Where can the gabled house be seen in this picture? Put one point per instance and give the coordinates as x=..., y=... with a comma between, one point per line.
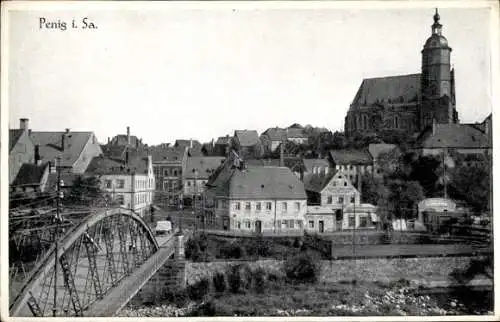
x=257, y=200
x=352, y=163
x=31, y=179
x=198, y=172
x=334, y=204
x=21, y=149
x=169, y=164
x=316, y=166
x=247, y=143
x=274, y=136
x=130, y=184
x=448, y=139
x=76, y=149
x=384, y=155
x=222, y=146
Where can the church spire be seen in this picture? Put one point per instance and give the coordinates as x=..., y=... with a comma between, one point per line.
x=436, y=26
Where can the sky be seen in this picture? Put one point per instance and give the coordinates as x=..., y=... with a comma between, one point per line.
x=178, y=73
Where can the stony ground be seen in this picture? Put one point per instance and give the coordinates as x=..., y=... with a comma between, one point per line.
x=314, y=300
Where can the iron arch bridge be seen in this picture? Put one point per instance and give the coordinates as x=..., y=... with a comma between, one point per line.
x=93, y=257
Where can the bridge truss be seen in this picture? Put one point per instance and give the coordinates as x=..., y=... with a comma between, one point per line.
x=93, y=257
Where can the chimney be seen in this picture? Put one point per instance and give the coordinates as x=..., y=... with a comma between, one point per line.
x=37, y=154
x=128, y=134
x=24, y=124
x=191, y=143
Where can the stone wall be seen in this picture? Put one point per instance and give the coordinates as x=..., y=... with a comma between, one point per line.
x=197, y=271
x=427, y=271
x=419, y=270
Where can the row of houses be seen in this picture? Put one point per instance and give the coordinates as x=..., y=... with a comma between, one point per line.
x=257, y=197
x=122, y=165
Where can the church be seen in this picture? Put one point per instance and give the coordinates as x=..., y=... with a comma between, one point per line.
x=408, y=103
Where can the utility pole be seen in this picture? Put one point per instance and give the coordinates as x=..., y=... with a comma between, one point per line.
x=56, y=234
x=354, y=228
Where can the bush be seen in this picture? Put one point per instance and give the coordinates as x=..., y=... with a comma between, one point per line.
x=302, y=267
x=263, y=248
x=198, y=290
x=259, y=280
x=219, y=281
x=233, y=251
x=298, y=242
x=177, y=297
x=240, y=278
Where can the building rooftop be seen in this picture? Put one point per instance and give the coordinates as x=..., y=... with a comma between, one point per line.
x=311, y=163
x=317, y=182
x=400, y=88
x=50, y=145
x=258, y=183
x=247, y=138
x=453, y=136
x=30, y=174
x=105, y=166
x=14, y=135
x=344, y=157
x=204, y=166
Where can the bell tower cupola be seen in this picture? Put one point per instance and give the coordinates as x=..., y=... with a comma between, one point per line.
x=437, y=92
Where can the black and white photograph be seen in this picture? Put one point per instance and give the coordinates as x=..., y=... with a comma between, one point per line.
x=282, y=160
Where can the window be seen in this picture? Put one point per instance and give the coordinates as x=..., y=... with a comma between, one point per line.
x=248, y=206
x=268, y=206
x=120, y=199
x=237, y=206
x=341, y=200
x=345, y=182
x=329, y=200
x=121, y=184
x=224, y=204
x=284, y=206
x=363, y=221
x=297, y=206
x=353, y=199
x=247, y=224
x=239, y=225
x=257, y=206
x=109, y=184
x=292, y=224
x=311, y=223
x=165, y=172
x=189, y=183
x=352, y=221
x=174, y=173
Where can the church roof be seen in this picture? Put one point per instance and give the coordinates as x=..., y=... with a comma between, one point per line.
x=453, y=136
x=400, y=88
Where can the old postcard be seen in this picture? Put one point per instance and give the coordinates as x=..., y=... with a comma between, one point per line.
x=241, y=160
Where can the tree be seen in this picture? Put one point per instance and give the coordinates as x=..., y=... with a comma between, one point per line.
x=404, y=197
x=427, y=170
x=472, y=185
x=86, y=191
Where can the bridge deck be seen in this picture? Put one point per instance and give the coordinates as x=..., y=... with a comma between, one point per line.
x=119, y=296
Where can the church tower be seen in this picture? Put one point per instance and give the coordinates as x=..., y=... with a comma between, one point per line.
x=437, y=80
